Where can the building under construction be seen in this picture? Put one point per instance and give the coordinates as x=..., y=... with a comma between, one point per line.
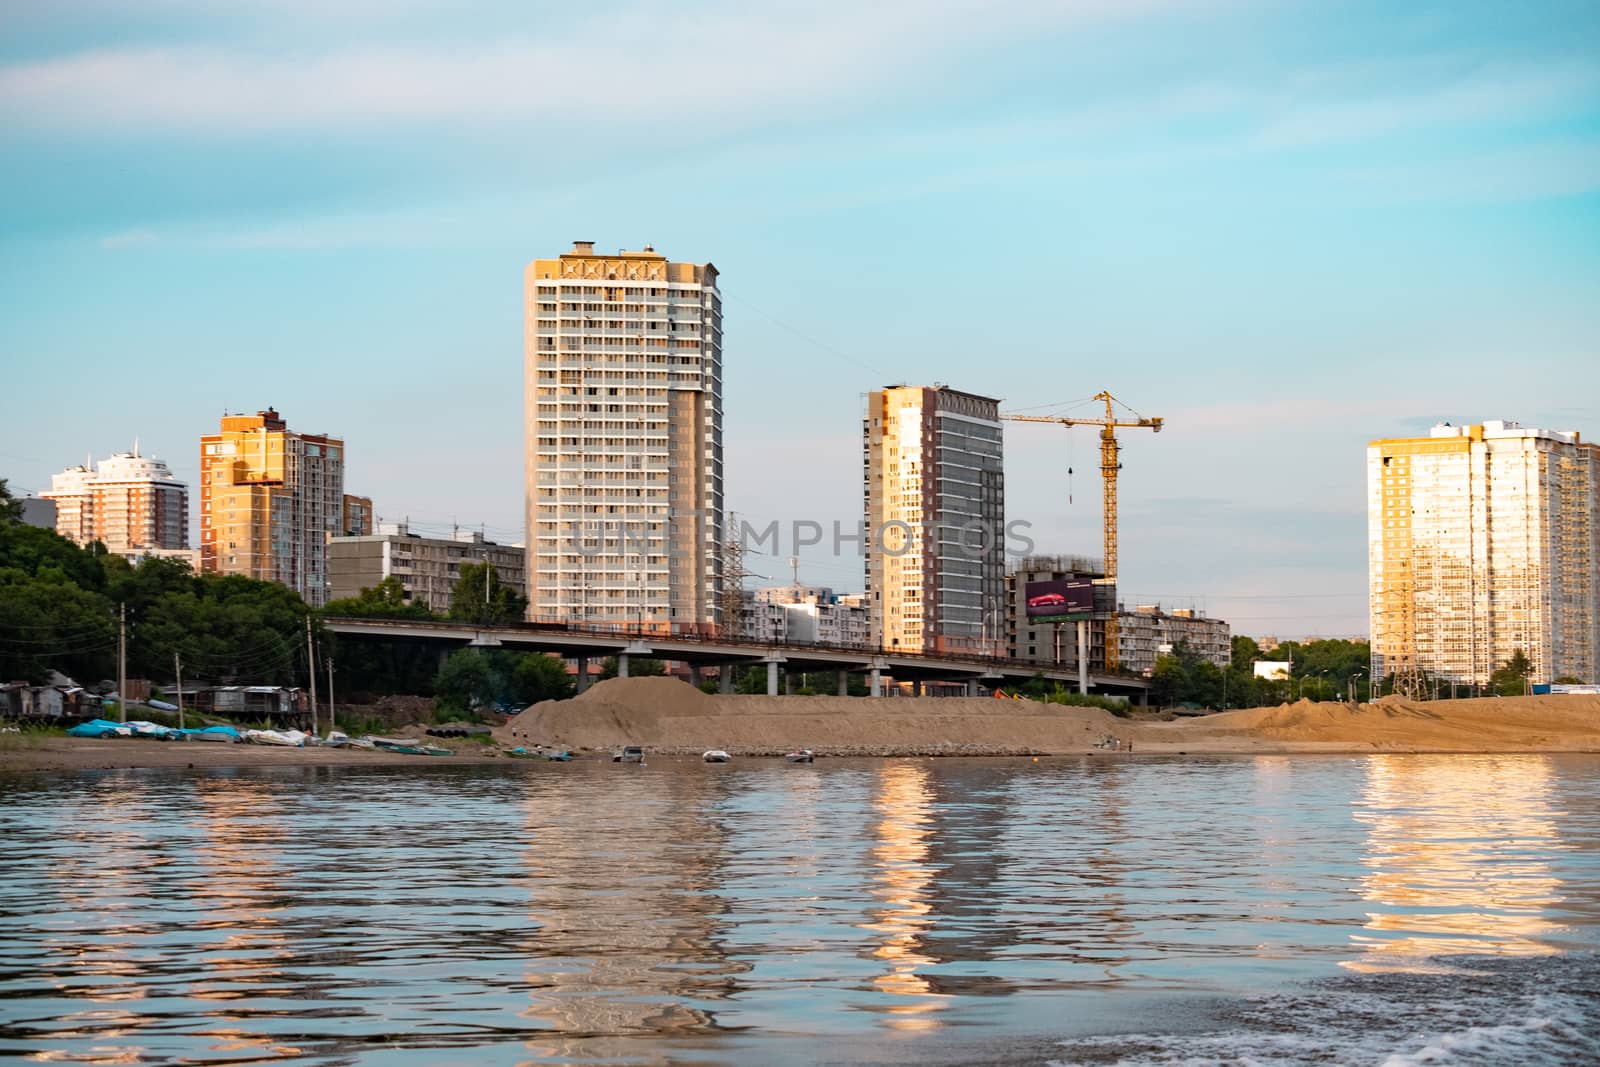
x=1484, y=541
x=1141, y=635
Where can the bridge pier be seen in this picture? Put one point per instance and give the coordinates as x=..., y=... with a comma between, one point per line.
x=972, y=687
x=788, y=684
x=622, y=664
x=583, y=673
x=875, y=679
x=725, y=679
x=916, y=687
x=844, y=683
x=773, y=662
x=1083, y=657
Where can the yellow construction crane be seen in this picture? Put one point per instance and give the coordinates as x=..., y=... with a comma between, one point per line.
x=1109, y=466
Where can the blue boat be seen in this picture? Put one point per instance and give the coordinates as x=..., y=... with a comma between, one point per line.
x=100, y=728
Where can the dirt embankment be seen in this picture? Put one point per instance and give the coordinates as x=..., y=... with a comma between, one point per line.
x=669, y=717
x=666, y=715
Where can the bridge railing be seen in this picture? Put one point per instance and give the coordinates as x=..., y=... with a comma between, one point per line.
x=701, y=633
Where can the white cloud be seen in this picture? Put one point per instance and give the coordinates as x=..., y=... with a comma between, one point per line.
x=675, y=66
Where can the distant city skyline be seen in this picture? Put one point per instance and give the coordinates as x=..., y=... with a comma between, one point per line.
x=1287, y=229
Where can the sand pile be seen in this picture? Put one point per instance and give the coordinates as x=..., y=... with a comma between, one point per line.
x=667, y=715
x=670, y=716
x=1505, y=724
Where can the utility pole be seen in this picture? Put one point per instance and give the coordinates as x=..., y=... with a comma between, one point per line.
x=177, y=668
x=311, y=669
x=122, y=662
x=330, y=695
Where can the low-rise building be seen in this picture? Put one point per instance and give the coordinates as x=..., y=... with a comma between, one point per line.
x=811, y=615
x=428, y=567
x=1147, y=632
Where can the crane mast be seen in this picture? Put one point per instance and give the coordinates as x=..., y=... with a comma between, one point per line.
x=1110, y=464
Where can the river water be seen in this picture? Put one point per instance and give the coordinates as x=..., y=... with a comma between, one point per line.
x=1267, y=910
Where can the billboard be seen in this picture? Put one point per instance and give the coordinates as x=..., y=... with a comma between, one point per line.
x=1060, y=598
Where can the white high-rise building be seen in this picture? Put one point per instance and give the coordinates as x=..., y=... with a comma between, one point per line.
x=130, y=503
x=623, y=438
x=1484, y=541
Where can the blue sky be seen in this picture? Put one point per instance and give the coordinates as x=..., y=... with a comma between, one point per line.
x=1287, y=228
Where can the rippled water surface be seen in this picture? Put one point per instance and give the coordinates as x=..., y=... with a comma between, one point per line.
x=1383, y=909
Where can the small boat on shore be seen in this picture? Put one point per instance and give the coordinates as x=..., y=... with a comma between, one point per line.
x=283, y=738
x=800, y=755
x=539, y=752
x=628, y=754
x=716, y=755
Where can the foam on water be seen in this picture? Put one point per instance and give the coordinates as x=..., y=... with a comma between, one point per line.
x=1515, y=1012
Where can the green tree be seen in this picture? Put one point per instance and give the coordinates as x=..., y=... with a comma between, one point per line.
x=638, y=667
x=1512, y=676
x=49, y=623
x=465, y=680
x=386, y=600
x=10, y=506
x=1245, y=652
x=479, y=598
x=1169, y=682
x=536, y=676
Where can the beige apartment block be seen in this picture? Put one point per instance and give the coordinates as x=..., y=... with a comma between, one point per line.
x=270, y=499
x=935, y=511
x=623, y=439
x=130, y=503
x=428, y=568
x=1482, y=541
x=1147, y=633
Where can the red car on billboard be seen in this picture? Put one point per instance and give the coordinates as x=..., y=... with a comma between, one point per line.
x=1057, y=598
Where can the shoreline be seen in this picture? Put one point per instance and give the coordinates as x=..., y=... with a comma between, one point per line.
x=71, y=755
x=671, y=720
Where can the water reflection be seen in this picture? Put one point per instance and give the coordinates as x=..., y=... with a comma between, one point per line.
x=1458, y=859
x=99, y=943
x=238, y=890
x=902, y=881
x=756, y=913
x=623, y=898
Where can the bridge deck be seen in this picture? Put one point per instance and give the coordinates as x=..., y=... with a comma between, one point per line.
x=702, y=650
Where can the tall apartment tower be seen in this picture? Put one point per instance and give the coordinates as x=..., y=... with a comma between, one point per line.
x=129, y=503
x=623, y=439
x=1482, y=541
x=935, y=514
x=270, y=499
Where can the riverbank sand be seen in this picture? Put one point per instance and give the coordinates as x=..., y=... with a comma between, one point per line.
x=669, y=717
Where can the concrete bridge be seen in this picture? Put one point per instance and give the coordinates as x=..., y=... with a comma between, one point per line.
x=589, y=642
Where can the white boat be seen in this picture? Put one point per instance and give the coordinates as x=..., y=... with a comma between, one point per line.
x=800, y=755
x=716, y=755
x=628, y=754
x=284, y=738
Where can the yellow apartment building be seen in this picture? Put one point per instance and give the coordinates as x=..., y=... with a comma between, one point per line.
x=623, y=439
x=270, y=500
x=1483, y=540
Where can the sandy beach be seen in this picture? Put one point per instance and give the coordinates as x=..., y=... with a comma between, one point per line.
x=668, y=717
